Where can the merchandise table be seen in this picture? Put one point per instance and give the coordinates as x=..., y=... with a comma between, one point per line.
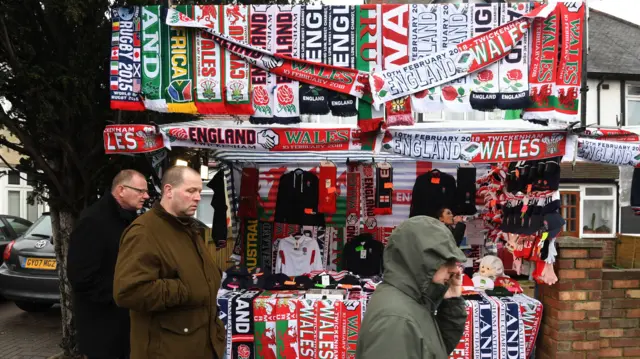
x=288, y=324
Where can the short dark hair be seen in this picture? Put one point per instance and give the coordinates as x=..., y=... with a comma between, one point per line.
x=124, y=177
x=174, y=176
x=441, y=211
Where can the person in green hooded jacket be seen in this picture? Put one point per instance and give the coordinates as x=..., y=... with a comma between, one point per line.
x=417, y=311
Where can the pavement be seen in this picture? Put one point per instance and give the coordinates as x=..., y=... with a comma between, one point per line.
x=29, y=335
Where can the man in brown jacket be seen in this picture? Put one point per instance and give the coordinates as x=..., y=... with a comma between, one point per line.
x=166, y=278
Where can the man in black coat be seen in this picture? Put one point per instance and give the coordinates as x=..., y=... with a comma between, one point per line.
x=102, y=327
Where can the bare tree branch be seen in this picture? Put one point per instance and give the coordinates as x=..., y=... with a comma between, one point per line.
x=6, y=43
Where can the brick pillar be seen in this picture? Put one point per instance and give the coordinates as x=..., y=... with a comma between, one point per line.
x=620, y=316
x=571, y=321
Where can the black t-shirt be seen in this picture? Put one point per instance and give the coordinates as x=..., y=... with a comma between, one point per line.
x=363, y=256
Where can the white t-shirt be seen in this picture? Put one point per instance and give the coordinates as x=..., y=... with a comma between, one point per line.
x=297, y=257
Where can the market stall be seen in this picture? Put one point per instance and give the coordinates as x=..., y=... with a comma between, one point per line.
x=309, y=207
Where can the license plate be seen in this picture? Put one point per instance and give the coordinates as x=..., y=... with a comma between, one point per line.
x=41, y=263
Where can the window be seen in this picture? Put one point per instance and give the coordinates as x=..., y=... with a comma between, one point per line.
x=590, y=210
x=4, y=232
x=205, y=211
x=14, y=177
x=14, y=203
x=570, y=211
x=19, y=225
x=633, y=104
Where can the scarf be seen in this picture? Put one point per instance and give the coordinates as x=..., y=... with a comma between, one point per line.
x=327, y=188
x=208, y=63
x=180, y=68
x=465, y=346
x=486, y=331
x=426, y=31
x=249, y=193
x=384, y=189
x=368, y=59
x=353, y=201
x=570, y=68
x=453, y=63
x=514, y=69
x=284, y=41
x=237, y=74
x=531, y=317
x=368, y=200
x=124, y=68
x=395, y=36
x=340, y=51
x=542, y=70
x=251, y=247
x=242, y=330
x=260, y=16
x=484, y=91
x=456, y=28
x=313, y=99
x=265, y=233
x=154, y=33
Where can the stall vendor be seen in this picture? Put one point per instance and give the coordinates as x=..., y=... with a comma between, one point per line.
x=455, y=224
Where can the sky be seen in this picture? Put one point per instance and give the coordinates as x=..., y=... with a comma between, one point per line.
x=624, y=9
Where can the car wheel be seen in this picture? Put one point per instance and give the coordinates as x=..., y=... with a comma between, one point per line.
x=32, y=307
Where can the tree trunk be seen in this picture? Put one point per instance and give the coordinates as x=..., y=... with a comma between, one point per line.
x=62, y=224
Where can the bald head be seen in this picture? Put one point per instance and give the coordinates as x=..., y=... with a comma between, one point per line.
x=181, y=187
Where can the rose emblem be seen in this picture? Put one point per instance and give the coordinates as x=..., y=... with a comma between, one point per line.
x=485, y=75
x=244, y=352
x=483, y=79
x=449, y=93
x=260, y=96
x=378, y=84
x=422, y=94
x=514, y=75
x=178, y=133
x=285, y=99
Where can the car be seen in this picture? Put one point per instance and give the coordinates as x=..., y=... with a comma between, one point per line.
x=29, y=275
x=11, y=227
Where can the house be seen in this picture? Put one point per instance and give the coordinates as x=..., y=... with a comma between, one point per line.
x=15, y=188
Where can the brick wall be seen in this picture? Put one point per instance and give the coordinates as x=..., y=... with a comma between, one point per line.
x=620, y=317
x=591, y=312
x=609, y=249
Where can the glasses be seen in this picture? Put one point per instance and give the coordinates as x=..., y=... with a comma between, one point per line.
x=139, y=190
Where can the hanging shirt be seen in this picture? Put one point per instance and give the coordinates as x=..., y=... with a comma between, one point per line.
x=363, y=256
x=298, y=256
x=297, y=201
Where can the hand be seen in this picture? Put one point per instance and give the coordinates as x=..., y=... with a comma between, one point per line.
x=455, y=285
x=457, y=219
x=268, y=139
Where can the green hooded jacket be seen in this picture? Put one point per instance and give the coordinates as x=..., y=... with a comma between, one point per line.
x=408, y=316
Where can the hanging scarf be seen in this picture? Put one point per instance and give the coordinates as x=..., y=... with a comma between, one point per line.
x=340, y=51
x=426, y=37
x=249, y=193
x=262, y=82
x=384, y=189
x=514, y=68
x=456, y=28
x=484, y=93
x=237, y=75
x=154, y=33
x=395, y=36
x=208, y=62
x=354, y=187
x=368, y=199
x=313, y=99
x=327, y=188
x=570, y=68
x=125, y=78
x=544, y=62
x=369, y=59
x=452, y=63
x=286, y=107
x=179, y=69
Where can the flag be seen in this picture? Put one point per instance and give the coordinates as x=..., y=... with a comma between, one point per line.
x=115, y=38
x=136, y=54
x=115, y=26
x=114, y=68
x=114, y=83
x=114, y=53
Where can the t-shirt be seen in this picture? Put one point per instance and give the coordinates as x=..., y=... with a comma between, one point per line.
x=298, y=256
x=363, y=256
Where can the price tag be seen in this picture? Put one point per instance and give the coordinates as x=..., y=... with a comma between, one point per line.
x=544, y=236
x=525, y=208
x=325, y=280
x=308, y=211
x=296, y=245
x=529, y=188
x=327, y=183
x=331, y=190
x=359, y=248
x=363, y=254
x=435, y=180
x=388, y=185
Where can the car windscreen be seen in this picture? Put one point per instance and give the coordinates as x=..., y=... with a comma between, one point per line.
x=42, y=228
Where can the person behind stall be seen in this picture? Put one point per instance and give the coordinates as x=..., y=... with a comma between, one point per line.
x=454, y=223
x=417, y=311
x=102, y=327
x=167, y=279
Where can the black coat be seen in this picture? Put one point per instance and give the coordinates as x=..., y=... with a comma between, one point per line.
x=433, y=191
x=102, y=327
x=297, y=201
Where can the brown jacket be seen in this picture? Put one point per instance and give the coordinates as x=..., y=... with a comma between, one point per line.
x=165, y=276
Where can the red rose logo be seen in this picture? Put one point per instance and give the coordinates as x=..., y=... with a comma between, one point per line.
x=485, y=75
x=449, y=93
x=178, y=133
x=387, y=137
x=244, y=352
x=260, y=96
x=514, y=75
x=421, y=94
x=285, y=96
x=378, y=83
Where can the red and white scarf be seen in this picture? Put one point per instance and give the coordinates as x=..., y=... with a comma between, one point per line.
x=237, y=74
x=514, y=68
x=484, y=89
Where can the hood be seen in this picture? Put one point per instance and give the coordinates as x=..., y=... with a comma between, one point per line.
x=416, y=249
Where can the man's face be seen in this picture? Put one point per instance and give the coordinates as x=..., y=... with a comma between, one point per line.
x=184, y=198
x=445, y=273
x=133, y=194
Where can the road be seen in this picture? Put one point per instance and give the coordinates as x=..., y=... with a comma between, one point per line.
x=28, y=335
